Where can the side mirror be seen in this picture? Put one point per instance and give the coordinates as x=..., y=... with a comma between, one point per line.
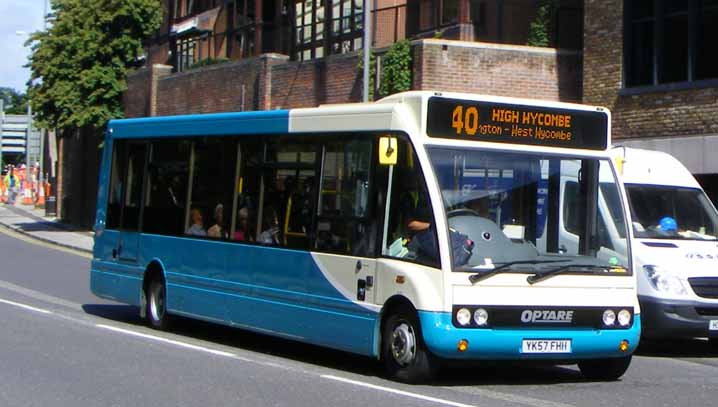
x=388, y=150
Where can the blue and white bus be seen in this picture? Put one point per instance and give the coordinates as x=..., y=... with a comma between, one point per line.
x=418, y=229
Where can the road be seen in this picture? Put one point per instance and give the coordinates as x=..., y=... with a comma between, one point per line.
x=61, y=346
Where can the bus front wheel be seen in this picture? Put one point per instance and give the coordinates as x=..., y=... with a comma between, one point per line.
x=405, y=356
x=604, y=369
x=156, y=305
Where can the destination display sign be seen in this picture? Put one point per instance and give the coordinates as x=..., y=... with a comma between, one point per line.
x=516, y=124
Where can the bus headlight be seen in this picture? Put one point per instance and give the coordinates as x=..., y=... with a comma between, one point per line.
x=481, y=317
x=463, y=316
x=624, y=317
x=663, y=281
x=609, y=317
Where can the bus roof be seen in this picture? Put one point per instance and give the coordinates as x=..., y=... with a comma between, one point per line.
x=407, y=111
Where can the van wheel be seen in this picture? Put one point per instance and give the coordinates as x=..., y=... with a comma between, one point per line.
x=156, y=305
x=604, y=369
x=406, y=358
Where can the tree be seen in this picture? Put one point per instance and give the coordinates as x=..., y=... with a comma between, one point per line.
x=15, y=102
x=541, y=28
x=79, y=65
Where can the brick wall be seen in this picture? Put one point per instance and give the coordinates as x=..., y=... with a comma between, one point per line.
x=136, y=99
x=503, y=70
x=217, y=88
x=334, y=79
x=651, y=113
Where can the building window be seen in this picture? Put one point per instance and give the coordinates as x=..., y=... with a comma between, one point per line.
x=668, y=41
x=186, y=53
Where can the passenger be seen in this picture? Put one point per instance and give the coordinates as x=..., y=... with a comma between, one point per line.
x=271, y=233
x=243, y=234
x=197, y=227
x=217, y=230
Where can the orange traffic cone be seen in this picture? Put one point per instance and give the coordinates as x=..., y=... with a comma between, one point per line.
x=40, y=196
x=27, y=197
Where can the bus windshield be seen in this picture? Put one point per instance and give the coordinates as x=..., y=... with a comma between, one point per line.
x=532, y=210
x=668, y=212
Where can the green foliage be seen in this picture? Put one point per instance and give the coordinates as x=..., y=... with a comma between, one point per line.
x=208, y=62
x=79, y=65
x=372, y=71
x=396, y=69
x=15, y=102
x=541, y=28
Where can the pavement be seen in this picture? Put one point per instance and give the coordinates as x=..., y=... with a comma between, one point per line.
x=31, y=221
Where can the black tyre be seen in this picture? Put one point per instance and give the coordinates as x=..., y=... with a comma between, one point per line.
x=604, y=369
x=156, y=305
x=405, y=356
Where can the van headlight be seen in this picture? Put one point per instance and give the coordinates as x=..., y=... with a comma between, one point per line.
x=663, y=281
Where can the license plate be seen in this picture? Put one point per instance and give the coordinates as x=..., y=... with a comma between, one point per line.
x=713, y=325
x=546, y=346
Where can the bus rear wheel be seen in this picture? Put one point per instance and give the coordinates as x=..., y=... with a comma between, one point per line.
x=156, y=305
x=405, y=356
x=604, y=369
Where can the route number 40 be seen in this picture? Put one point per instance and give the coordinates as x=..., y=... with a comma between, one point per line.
x=467, y=121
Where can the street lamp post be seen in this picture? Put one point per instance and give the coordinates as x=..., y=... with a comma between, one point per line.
x=367, y=48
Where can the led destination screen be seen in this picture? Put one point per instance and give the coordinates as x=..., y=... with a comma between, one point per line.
x=516, y=124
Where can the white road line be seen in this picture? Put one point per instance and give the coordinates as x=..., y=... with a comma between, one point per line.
x=397, y=391
x=27, y=307
x=512, y=398
x=170, y=341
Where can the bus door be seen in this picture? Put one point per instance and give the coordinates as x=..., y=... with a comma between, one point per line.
x=347, y=225
x=133, y=180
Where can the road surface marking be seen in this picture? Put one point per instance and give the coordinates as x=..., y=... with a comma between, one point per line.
x=170, y=341
x=27, y=307
x=513, y=398
x=37, y=295
x=397, y=391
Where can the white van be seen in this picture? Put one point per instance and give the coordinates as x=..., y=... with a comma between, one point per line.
x=674, y=247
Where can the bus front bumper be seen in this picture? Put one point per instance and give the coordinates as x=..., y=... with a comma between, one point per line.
x=442, y=339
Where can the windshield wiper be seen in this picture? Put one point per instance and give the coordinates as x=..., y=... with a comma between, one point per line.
x=475, y=278
x=540, y=276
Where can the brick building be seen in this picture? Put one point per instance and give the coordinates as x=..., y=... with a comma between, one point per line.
x=234, y=55
x=654, y=64
x=650, y=61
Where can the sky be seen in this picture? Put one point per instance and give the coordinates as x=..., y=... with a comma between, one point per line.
x=17, y=15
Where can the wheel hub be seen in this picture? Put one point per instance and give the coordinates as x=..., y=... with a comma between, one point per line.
x=157, y=303
x=403, y=344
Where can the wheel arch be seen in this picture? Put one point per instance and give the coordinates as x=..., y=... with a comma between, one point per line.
x=155, y=269
x=390, y=306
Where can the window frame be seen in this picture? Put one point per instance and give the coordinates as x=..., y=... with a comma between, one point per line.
x=658, y=17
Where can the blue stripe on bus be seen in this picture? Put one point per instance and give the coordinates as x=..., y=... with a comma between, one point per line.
x=260, y=122
x=441, y=337
x=243, y=285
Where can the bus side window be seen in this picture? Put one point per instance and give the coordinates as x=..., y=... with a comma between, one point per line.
x=287, y=194
x=410, y=229
x=168, y=172
x=213, y=170
x=114, y=200
x=345, y=224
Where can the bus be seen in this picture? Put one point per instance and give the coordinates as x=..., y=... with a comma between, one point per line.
x=675, y=231
x=420, y=229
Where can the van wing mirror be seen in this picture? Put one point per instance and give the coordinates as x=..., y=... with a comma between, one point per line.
x=388, y=150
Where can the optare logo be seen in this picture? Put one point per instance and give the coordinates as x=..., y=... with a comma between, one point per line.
x=546, y=316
